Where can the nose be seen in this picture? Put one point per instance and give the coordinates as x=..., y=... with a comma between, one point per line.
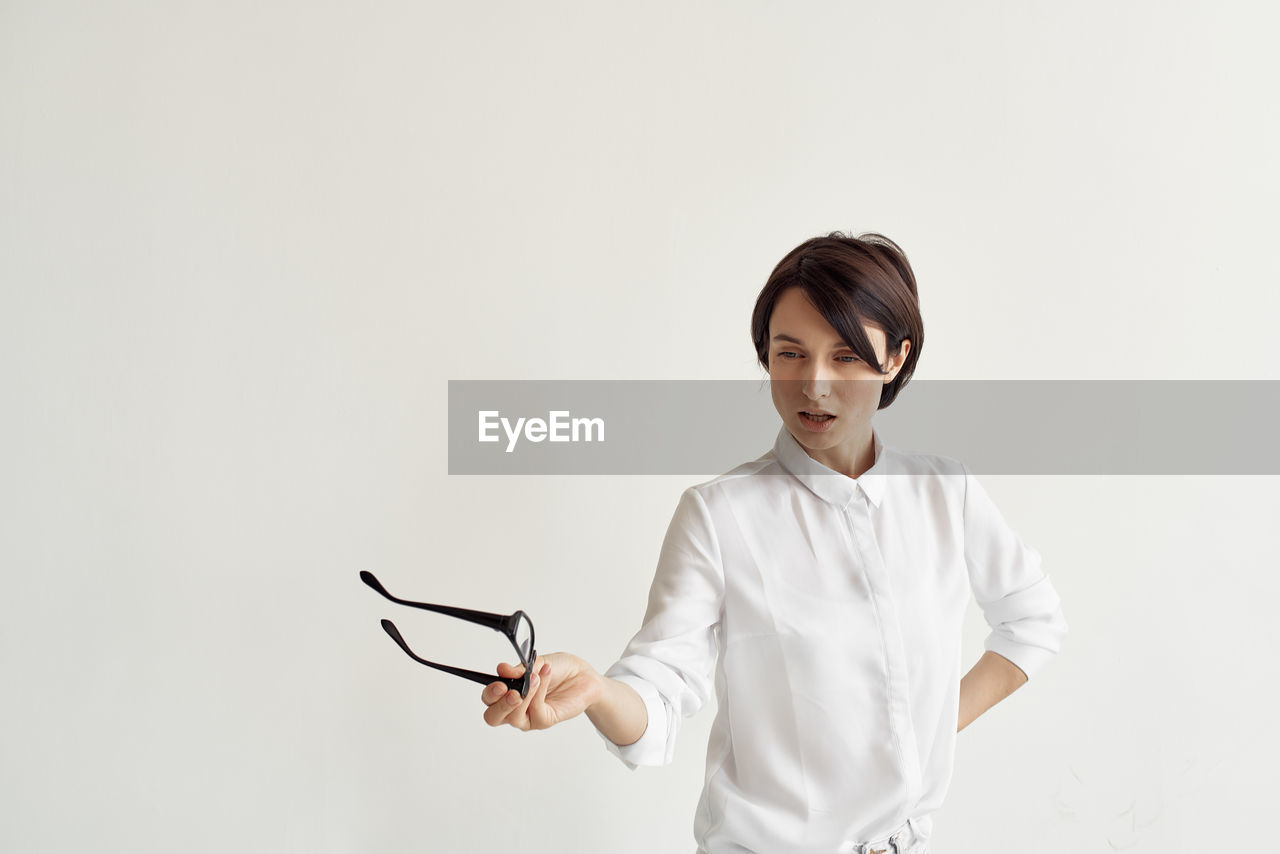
x=816, y=381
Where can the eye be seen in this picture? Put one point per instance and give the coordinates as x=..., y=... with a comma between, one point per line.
x=849, y=360
x=788, y=353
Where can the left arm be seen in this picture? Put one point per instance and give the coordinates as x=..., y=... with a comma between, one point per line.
x=1018, y=602
x=992, y=679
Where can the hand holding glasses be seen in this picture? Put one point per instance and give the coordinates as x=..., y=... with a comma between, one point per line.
x=517, y=627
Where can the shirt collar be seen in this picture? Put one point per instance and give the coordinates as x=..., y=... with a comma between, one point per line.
x=829, y=484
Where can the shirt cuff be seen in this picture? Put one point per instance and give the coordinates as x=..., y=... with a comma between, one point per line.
x=651, y=748
x=1027, y=627
x=1028, y=659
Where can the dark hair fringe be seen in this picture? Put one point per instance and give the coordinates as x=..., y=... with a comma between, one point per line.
x=850, y=281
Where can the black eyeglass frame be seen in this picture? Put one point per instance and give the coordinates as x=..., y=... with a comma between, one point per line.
x=507, y=624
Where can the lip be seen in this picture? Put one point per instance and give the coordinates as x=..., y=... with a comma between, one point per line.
x=815, y=426
x=815, y=412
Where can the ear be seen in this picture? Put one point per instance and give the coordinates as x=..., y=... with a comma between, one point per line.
x=897, y=360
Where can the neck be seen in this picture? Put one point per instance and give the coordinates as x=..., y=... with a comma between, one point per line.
x=851, y=458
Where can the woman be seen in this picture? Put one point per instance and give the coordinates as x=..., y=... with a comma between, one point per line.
x=820, y=590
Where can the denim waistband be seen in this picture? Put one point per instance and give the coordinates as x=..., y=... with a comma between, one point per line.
x=912, y=832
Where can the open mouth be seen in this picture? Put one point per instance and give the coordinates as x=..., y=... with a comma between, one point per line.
x=816, y=420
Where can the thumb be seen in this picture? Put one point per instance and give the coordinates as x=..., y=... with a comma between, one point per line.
x=510, y=671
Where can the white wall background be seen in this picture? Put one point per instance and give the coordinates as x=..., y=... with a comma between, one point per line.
x=243, y=247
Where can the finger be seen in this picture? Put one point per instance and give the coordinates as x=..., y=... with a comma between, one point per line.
x=508, y=708
x=498, y=713
x=540, y=716
x=493, y=692
x=519, y=716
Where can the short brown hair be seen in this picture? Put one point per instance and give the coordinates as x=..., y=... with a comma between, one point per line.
x=850, y=281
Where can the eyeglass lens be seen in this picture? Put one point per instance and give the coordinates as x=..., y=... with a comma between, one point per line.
x=524, y=639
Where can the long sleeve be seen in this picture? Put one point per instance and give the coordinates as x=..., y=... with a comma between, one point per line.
x=824, y=612
x=1017, y=600
x=671, y=660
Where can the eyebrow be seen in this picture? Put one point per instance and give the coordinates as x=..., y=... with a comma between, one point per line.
x=839, y=345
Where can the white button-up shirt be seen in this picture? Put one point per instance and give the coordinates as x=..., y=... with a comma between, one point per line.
x=828, y=610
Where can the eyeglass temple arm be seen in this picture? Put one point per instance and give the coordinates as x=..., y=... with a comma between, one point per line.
x=475, y=676
x=494, y=621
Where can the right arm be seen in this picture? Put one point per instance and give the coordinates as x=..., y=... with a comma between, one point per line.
x=564, y=687
x=618, y=713
x=665, y=672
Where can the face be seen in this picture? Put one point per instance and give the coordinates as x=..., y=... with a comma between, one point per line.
x=812, y=370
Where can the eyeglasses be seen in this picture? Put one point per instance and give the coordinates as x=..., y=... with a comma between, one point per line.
x=517, y=627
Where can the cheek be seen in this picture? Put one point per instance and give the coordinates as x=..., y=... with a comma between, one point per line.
x=863, y=393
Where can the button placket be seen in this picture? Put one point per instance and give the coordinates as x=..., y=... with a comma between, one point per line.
x=857, y=512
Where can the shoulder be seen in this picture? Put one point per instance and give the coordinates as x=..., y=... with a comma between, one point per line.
x=740, y=487
x=739, y=481
x=933, y=484
x=910, y=462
